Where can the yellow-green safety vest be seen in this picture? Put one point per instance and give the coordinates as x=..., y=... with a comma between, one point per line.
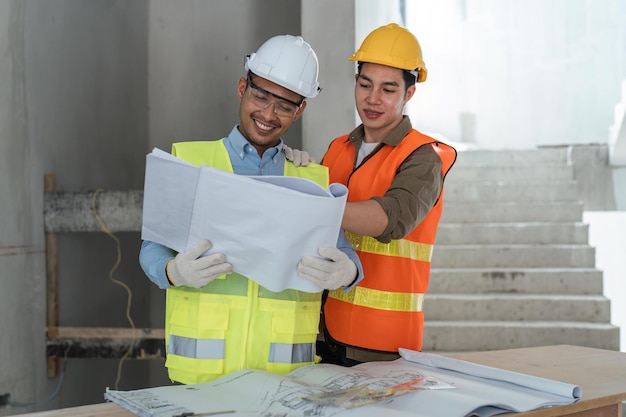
x=233, y=323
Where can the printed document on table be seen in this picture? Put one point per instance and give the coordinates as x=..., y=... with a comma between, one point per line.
x=263, y=224
x=260, y=393
x=449, y=388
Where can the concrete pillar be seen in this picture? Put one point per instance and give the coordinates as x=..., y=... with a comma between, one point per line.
x=332, y=112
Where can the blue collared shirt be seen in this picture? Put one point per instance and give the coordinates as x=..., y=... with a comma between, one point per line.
x=245, y=160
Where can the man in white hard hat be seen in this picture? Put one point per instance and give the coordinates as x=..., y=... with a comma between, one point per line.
x=218, y=321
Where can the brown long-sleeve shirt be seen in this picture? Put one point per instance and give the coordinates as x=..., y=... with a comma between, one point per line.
x=415, y=188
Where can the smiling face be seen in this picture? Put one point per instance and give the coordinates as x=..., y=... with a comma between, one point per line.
x=380, y=96
x=262, y=127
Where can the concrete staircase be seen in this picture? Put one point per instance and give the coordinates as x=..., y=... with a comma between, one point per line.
x=512, y=266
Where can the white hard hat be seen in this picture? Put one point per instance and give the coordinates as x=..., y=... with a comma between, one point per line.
x=289, y=61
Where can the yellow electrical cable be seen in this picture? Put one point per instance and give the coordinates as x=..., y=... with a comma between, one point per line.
x=106, y=230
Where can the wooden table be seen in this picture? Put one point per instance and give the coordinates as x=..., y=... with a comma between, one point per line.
x=600, y=373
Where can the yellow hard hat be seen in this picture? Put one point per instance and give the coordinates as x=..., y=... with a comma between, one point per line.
x=393, y=46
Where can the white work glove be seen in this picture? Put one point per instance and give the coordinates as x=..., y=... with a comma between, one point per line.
x=298, y=157
x=335, y=269
x=189, y=269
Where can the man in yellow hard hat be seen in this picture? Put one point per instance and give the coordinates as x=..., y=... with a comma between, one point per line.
x=395, y=178
x=218, y=321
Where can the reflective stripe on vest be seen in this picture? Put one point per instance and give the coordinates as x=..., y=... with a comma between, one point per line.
x=402, y=248
x=296, y=353
x=196, y=348
x=382, y=300
x=215, y=349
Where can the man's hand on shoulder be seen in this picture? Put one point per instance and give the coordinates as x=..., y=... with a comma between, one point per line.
x=298, y=157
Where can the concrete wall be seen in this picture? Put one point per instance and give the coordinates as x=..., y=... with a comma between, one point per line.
x=73, y=104
x=329, y=26
x=607, y=234
x=21, y=242
x=515, y=74
x=196, y=54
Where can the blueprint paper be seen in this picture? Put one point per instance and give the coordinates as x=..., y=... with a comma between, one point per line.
x=259, y=393
x=263, y=224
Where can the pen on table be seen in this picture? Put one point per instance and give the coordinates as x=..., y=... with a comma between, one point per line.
x=210, y=413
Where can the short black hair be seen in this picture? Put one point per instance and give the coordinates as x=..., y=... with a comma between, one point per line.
x=409, y=79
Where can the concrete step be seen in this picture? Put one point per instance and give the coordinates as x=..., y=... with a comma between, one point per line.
x=511, y=211
x=513, y=307
x=460, y=173
x=512, y=266
x=511, y=256
x=511, y=191
x=511, y=233
x=515, y=157
x=457, y=336
x=572, y=281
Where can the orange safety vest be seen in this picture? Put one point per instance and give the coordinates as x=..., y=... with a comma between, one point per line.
x=384, y=311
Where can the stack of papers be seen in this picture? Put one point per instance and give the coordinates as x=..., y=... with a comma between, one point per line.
x=417, y=385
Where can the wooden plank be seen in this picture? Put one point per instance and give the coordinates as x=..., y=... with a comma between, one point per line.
x=614, y=410
x=104, y=332
x=105, y=342
x=96, y=410
x=52, y=280
x=66, y=212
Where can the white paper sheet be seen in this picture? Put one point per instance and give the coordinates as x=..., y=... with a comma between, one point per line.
x=263, y=224
x=488, y=392
x=537, y=383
